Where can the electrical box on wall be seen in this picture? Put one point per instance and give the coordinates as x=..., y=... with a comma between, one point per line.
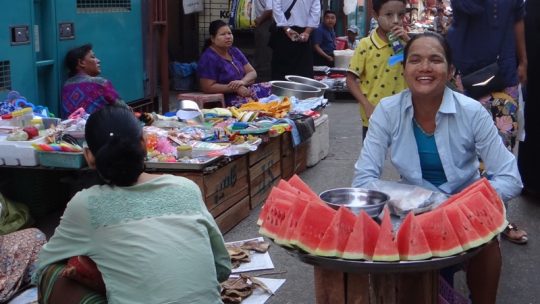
x=36, y=36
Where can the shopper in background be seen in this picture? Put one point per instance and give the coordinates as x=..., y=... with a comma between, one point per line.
x=151, y=236
x=434, y=136
x=85, y=88
x=224, y=69
x=352, y=33
x=324, y=40
x=484, y=32
x=263, y=53
x=290, y=40
x=370, y=76
x=529, y=166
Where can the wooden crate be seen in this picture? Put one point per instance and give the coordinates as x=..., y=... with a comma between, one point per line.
x=293, y=160
x=264, y=170
x=225, y=191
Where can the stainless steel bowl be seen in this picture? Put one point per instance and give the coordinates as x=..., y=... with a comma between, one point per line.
x=308, y=81
x=356, y=199
x=299, y=90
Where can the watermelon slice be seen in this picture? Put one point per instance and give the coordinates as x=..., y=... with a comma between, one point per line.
x=465, y=231
x=285, y=186
x=311, y=226
x=480, y=206
x=335, y=238
x=481, y=185
x=361, y=242
x=411, y=240
x=291, y=222
x=275, y=217
x=440, y=234
x=299, y=184
x=275, y=192
x=386, y=246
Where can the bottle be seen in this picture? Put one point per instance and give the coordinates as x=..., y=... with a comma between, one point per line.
x=395, y=42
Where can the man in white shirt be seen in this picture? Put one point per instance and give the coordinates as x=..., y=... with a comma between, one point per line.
x=290, y=40
x=263, y=53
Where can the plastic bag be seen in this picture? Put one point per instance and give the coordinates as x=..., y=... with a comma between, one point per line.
x=405, y=198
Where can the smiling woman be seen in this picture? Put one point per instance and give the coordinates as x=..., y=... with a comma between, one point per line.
x=440, y=134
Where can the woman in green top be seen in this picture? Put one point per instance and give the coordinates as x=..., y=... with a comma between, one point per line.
x=151, y=236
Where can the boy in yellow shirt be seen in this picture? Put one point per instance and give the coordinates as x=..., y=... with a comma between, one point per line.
x=371, y=76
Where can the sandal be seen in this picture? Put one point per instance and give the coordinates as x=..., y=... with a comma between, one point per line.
x=515, y=235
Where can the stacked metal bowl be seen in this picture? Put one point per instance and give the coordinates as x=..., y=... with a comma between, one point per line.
x=299, y=87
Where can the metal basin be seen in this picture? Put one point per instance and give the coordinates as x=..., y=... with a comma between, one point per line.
x=308, y=81
x=298, y=90
x=356, y=199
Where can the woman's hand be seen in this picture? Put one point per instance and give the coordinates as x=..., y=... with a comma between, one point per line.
x=243, y=91
x=236, y=84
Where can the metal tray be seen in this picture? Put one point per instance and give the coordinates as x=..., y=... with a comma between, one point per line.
x=360, y=266
x=197, y=163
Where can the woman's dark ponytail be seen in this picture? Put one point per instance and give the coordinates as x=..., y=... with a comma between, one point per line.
x=114, y=137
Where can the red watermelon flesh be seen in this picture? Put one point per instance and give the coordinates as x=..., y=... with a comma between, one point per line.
x=285, y=186
x=440, y=234
x=481, y=185
x=275, y=217
x=481, y=228
x=291, y=222
x=361, y=242
x=299, y=184
x=275, y=192
x=311, y=226
x=480, y=206
x=335, y=238
x=411, y=240
x=465, y=231
x=386, y=246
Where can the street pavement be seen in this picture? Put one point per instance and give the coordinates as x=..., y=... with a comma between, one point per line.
x=520, y=274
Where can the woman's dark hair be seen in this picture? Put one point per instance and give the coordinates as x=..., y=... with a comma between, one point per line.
x=114, y=136
x=377, y=4
x=74, y=55
x=213, y=30
x=442, y=41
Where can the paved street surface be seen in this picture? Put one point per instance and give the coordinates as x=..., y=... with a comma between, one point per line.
x=521, y=268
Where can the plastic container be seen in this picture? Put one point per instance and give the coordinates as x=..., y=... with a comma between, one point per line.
x=184, y=151
x=61, y=159
x=318, y=145
x=342, y=58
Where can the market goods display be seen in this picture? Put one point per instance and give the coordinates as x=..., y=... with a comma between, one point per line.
x=294, y=216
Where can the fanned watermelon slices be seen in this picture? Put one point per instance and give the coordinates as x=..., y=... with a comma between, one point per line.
x=311, y=226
